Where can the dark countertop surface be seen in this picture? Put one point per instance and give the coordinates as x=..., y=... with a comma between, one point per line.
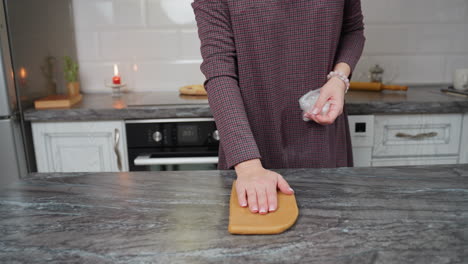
x=421, y=99
x=347, y=215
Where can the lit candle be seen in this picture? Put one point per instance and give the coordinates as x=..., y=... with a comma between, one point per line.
x=23, y=73
x=22, y=76
x=116, y=78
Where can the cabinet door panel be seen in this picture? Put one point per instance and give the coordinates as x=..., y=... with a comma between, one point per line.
x=75, y=152
x=417, y=135
x=79, y=146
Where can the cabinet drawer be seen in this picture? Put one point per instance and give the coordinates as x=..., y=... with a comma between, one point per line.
x=381, y=162
x=417, y=135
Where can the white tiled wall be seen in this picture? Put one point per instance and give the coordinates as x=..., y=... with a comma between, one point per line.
x=156, y=46
x=416, y=41
x=154, y=42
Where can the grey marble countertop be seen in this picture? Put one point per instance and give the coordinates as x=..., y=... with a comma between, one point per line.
x=423, y=99
x=347, y=215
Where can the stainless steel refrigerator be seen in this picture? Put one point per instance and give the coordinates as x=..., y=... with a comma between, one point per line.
x=35, y=35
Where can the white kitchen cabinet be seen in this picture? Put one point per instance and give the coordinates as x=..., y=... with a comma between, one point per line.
x=409, y=139
x=361, y=129
x=80, y=146
x=464, y=140
x=417, y=139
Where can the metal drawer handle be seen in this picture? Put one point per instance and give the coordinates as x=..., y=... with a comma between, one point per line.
x=116, y=148
x=417, y=136
x=146, y=160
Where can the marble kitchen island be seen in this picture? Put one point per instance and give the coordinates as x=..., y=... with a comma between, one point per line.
x=347, y=215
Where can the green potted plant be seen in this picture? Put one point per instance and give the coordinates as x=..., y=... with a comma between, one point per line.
x=71, y=76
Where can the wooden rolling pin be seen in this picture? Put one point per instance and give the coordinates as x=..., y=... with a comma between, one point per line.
x=375, y=86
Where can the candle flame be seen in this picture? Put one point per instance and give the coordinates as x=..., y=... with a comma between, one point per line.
x=135, y=67
x=23, y=73
x=116, y=70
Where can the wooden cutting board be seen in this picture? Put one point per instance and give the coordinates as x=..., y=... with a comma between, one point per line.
x=195, y=89
x=244, y=222
x=375, y=86
x=57, y=101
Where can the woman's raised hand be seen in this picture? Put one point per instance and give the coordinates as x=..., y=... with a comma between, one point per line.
x=333, y=92
x=256, y=187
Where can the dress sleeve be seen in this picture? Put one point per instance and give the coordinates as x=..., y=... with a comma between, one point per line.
x=220, y=69
x=352, y=34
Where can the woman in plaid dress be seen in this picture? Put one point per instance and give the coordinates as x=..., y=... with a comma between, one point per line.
x=259, y=58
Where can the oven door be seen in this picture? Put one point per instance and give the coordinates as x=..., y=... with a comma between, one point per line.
x=172, y=161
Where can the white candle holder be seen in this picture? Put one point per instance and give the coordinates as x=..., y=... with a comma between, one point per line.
x=116, y=88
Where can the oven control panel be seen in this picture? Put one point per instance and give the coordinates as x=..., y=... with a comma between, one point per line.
x=172, y=133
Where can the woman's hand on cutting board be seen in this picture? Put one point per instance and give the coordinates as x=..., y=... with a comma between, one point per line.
x=333, y=92
x=256, y=187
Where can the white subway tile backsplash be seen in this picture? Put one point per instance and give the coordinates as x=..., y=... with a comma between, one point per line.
x=87, y=45
x=453, y=63
x=361, y=72
x=387, y=39
x=443, y=38
x=404, y=69
x=90, y=14
x=170, y=13
x=416, y=38
x=415, y=11
x=139, y=44
x=157, y=46
x=155, y=16
x=190, y=44
x=129, y=12
x=167, y=76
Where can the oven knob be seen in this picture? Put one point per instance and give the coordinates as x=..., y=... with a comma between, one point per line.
x=157, y=136
x=216, y=135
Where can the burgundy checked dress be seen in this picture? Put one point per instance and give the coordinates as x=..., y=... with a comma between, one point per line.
x=259, y=58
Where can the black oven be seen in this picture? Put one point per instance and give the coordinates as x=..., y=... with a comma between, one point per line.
x=172, y=144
